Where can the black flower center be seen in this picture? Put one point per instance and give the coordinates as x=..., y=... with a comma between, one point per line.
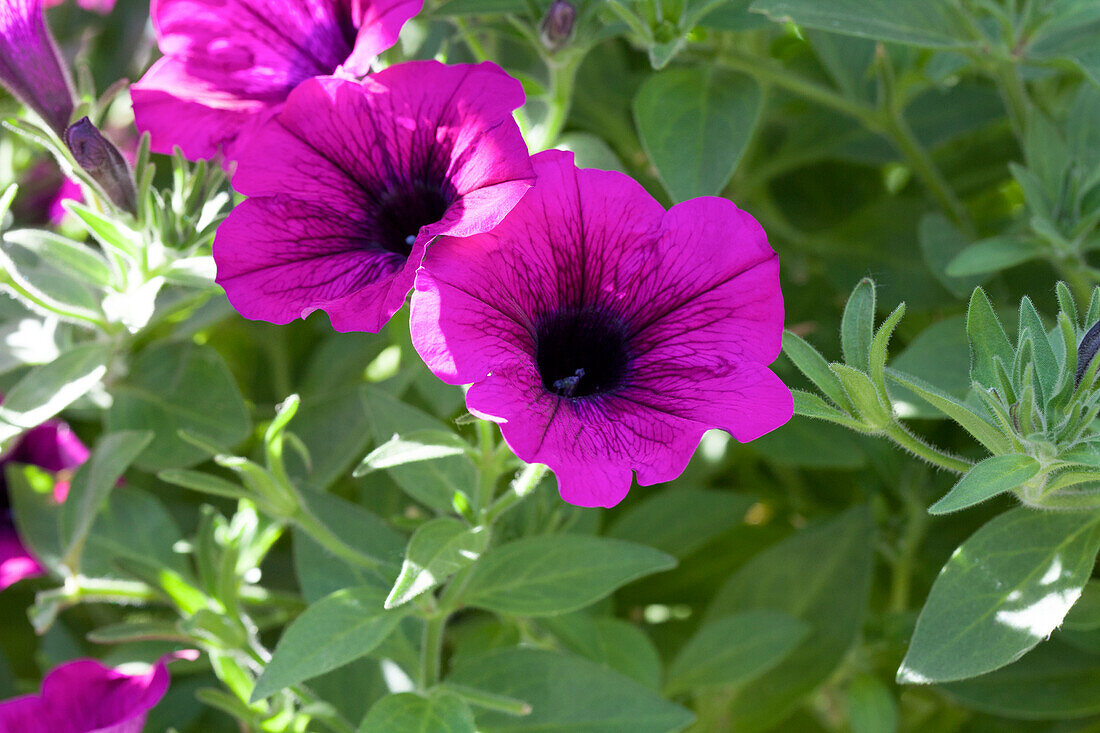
x=581, y=352
x=403, y=210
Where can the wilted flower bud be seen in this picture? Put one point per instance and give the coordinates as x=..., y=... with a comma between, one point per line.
x=30, y=66
x=558, y=24
x=1086, y=352
x=101, y=159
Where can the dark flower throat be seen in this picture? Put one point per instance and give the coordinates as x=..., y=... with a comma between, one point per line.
x=581, y=352
x=402, y=211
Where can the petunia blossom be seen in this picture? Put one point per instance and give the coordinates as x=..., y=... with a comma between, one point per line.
x=229, y=65
x=84, y=696
x=51, y=446
x=605, y=334
x=352, y=180
x=30, y=65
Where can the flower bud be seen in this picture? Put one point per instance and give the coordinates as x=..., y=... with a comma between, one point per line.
x=30, y=66
x=1086, y=352
x=557, y=26
x=101, y=159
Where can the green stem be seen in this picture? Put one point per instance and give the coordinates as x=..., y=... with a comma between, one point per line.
x=518, y=490
x=563, y=75
x=325, y=537
x=431, y=650
x=933, y=455
x=916, y=526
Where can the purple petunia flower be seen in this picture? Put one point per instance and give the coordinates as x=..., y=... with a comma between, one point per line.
x=604, y=333
x=51, y=446
x=30, y=66
x=84, y=696
x=351, y=181
x=229, y=65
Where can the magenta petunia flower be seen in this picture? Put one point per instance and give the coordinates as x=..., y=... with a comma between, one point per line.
x=351, y=181
x=604, y=333
x=53, y=447
x=84, y=696
x=229, y=65
x=30, y=66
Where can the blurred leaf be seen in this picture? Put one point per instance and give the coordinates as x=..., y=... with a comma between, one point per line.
x=110, y=457
x=48, y=389
x=36, y=512
x=335, y=429
x=695, y=124
x=590, y=151
x=610, y=642
x=432, y=482
x=481, y=7
x=871, y=706
x=133, y=524
x=700, y=516
x=408, y=712
x=930, y=23
x=734, y=650
x=438, y=549
x=64, y=254
x=1001, y=593
x=995, y=254
x=939, y=355
x=1085, y=614
x=940, y=243
x=412, y=447
x=813, y=444
x=335, y=630
x=821, y=575
x=179, y=386
x=566, y=695
x=995, y=475
x=353, y=525
x=1056, y=681
x=551, y=574
x=812, y=364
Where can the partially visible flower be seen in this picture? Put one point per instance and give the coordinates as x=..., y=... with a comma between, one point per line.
x=52, y=446
x=605, y=334
x=352, y=180
x=103, y=7
x=557, y=25
x=84, y=696
x=30, y=66
x=229, y=65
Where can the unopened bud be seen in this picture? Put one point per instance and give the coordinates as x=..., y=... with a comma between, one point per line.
x=30, y=66
x=558, y=24
x=101, y=159
x=1086, y=352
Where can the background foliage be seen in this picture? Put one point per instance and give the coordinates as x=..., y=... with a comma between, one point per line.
x=316, y=513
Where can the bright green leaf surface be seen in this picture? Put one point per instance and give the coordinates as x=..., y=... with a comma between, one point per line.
x=995, y=475
x=406, y=712
x=437, y=550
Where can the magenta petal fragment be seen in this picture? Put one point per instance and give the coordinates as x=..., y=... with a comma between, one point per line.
x=605, y=334
x=84, y=696
x=230, y=64
x=30, y=65
x=15, y=562
x=350, y=182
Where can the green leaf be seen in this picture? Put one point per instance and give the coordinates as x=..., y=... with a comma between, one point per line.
x=939, y=355
x=179, y=386
x=868, y=402
x=335, y=428
x=973, y=423
x=134, y=523
x=93, y=481
x=694, y=124
x=995, y=254
x=995, y=475
x=1046, y=365
x=808, y=361
x=48, y=389
x=481, y=7
x=335, y=630
x=590, y=151
x=734, y=650
x=940, y=242
x=821, y=575
x=407, y=712
x=929, y=23
x=357, y=528
x=1002, y=592
x=438, y=549
x=64, y=254
x=871, y=706
x=1056, y=681
x=1085, y=614
x=566, y=695
x=701, y=515
x=857, y=326
x=987, y=340
x=610, y=642
x=879, y=348
x=550, y=574
x=433, y=483
x=108, y=231
x=36, y=512
x=810, y=405
x=411, y=447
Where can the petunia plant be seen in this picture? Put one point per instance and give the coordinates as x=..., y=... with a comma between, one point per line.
x=574, y=366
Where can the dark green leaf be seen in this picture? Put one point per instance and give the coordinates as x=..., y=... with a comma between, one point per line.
x=551, y=574
x=609, y=642
x=995, y=475
x=987, y=340
x=695, y=124
x=438, y=549
x=407, y=712
x=871, y=706
x=700, y=516
x=995, y=254
x=931, y=23
x=1001, y=593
